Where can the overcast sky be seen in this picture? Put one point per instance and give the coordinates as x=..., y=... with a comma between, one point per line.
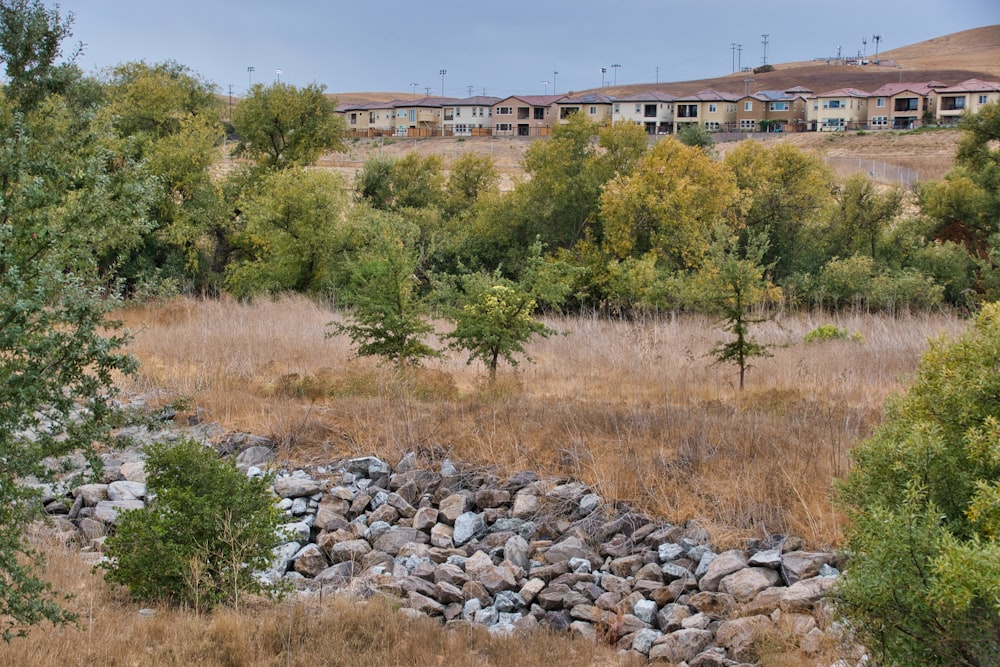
x=502, y=48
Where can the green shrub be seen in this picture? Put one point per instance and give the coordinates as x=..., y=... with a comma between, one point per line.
x=831, y=332
x=202, y=538
x=922, y=585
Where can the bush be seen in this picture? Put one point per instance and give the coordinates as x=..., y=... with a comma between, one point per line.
x=202, y=538
x=831, y=332
x=923, y=500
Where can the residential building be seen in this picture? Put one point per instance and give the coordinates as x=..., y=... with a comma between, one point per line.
x=420, y=117
x=840, y=109
x=714, y=111
x=595, y=106
x=356, y=118
x=653, y=110
x=773, y=110
x=525, y=115
x=902, y=106
x=469, y=117
x=968, y=96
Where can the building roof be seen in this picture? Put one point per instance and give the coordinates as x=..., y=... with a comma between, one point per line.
x=477, y=101
x=709, y=95
x=893, y=89
x=775, y=95
x=972, y=86
x=647, y=96
x=535, y=100
x=843, y=92
x=424, y=102
x=587, y=98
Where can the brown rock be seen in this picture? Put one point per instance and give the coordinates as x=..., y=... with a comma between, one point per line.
x=680, y=646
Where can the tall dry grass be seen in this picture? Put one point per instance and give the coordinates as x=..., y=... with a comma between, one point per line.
x=331, y=630
x=635, y=408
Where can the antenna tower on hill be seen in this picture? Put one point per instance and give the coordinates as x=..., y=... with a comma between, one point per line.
x=876, y=39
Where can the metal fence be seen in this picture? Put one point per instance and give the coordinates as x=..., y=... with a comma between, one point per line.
x=881, y=172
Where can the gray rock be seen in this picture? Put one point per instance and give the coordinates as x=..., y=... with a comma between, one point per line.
x=671, y=617
x=134, y=471
x=487, y=616
x=367, y=466
x=724, y=564
x=453, y=507
x=310, y=561
x=516, y=550
x=394, y=539
x=738, y=636
x=339, y=574
x=669, y=551
x=571, y=547
x=643, y=640
x=291, y=486
x=425, y=604
x=770, y=558
x=468, y=525
x=108, y=510
x=745, y=584
x=91, y=493
x=349, y=550
x=680, y=646
x=508, y=601
x=526, y=505
x=645, y=610
x=297, y=532
x=257, y=456
x=798, y=565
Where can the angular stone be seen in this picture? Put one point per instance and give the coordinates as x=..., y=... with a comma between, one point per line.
x=716, y=605
x=738, y=635
x=257, y=456
x=338, y=575
x=680, y=646
x=508, y=601
x=500, y=578
x=669, y=551
x=650, y=572
x=799, y=565
x=526, y=505
x=618, y=546
x=442, y=536
x=744, y=585
x=292, y=486
x=424, y=604
x=551, y=597
x=468, y=525
x=367, y=466
x=614, y=584
x=591, y=614
x=398, y=503
x=107, y=510
x=800, y=597
x=530, y=590
x=700, y=621
x=453, y=507
x=394, y=539
x=487, y=498
x=90, y=530
x=671, y=617
x=724, y=564
x=571, y=547
x=349, y=550
x=448, y=593
x=645, y=611
x=134, y=471
x=328, y=515
x=310, y=561
x=627, y=566
x=425, y=518
x=643, y=640
x=385, y=512
x=475, y=590
x=769, y=558
x=91, y=493
x=124, y=490
x=515, y=551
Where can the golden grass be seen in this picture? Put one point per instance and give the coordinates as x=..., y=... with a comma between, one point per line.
x=635, y=408
x=331, y=630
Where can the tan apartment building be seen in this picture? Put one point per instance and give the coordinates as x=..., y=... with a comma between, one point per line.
x=355, y=117
x=967, y=97
x=419, y=118
x=714, y=111
x=902, y=106
x=595, y=106
x=469, y=117
x=526, y=115
x=773, y=111
x=840, y=109
x=653, y=110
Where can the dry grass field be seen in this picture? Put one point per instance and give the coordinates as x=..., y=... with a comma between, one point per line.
x=635, y=408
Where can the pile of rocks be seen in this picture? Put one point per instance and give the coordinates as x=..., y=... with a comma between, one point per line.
x=514, y=554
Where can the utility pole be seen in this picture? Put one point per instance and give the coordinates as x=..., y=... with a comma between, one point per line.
x=230, y=102
x=413, y=88
x=746, y=85
x=739, y=57
x=554, y=81
x=732, y=47
x=469, y=89
x=427, y=91
x=657, y=74
x=763, y=59
x=443, y=73
x=876, y=39
x=616, y=67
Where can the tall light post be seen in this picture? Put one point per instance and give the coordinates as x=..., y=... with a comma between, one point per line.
x=443, y=73
x=900, y=68
x=278, y=74
x=604, y=70
x=615, y=67
x=250, y=77
x=657, y=74
x=554, y=81
x=413, y=88
x=546, y=84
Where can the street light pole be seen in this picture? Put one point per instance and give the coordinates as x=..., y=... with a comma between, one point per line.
x=443, y=73
x=604, y=70
x=413, y=88
x=250, y=76
x=546, y=84
x=615, y=68
x=278, y=74
x=554, y=81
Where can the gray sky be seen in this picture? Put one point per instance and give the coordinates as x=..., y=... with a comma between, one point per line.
x=504, y=48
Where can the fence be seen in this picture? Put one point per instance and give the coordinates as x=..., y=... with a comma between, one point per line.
x=881, y=172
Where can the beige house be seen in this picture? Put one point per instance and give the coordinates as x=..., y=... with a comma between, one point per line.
x=969, y=96
x=419, y=118
x=594, y=106
x=902, y=106
x=841, y=109
x=773, y=110
x=469, y=117
x=355, y=117
x=526, y=115
x=653, y=110
x=714, y=111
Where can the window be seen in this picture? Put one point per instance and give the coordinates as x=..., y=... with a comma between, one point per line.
x=779, y=106
x=638, y=108
x=731, y=108
x=687, y=110
x=712, y=108
x=618, y=108
x=566, y=112
x=354, y=119
x=504, y=127
x=458, y=112
x=523, y=113
x=413, y=115
x=504, y=111
x=592, y=111
x=880, y=102
x=833, y=104
x=540, y=113
x=880, y=121
x=748, y=106
x=449, y=114
x=712, y=126
x=649, y=111
x=748, y=124
x=983, y=99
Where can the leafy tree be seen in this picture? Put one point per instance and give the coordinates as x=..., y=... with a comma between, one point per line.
x=696, y=136
x=923, y=575
x=495, y=319
x=667, y=206
x=784, y=192
x=203, y=538
x=295, y=233
x=472, y=176
x=862, y=215
x=373, y=184
x=387, y=313
x=731, y=284
x=412, y=182
x=282, y=125
x=69, y=205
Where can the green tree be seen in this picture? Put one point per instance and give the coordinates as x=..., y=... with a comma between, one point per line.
x=282, y=125
x=494, y=320
x=732, y=284
x=862, y=215
x=387, y=313
x=203, y=538
x=922, y=582
x=696, y=136
x=295, y=234
x=69, y=205
x=471, y=177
